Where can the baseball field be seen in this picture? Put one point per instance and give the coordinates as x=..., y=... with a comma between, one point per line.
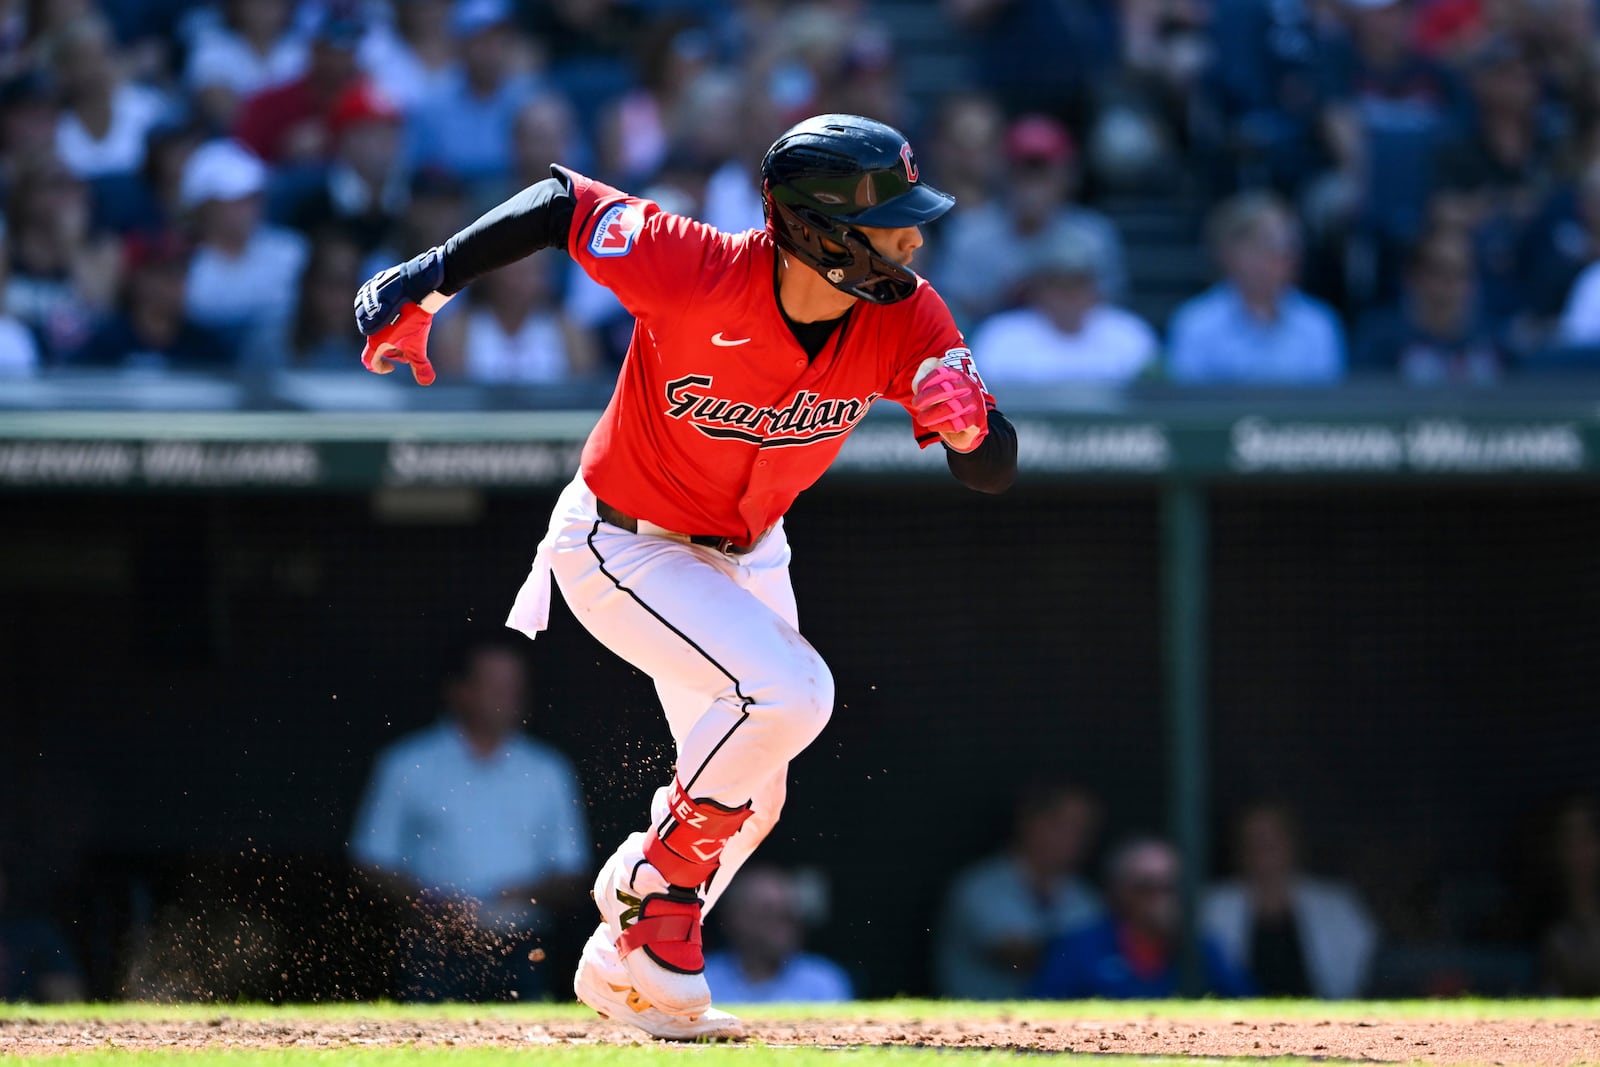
x=889, y=1032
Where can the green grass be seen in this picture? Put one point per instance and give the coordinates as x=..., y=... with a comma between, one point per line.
x=882, y=1010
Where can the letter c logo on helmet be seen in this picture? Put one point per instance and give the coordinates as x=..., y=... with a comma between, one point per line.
x=830, y=175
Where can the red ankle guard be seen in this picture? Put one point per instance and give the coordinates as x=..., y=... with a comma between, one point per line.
x=689, y=848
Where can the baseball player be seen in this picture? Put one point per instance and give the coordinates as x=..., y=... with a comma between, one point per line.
x=752, y=357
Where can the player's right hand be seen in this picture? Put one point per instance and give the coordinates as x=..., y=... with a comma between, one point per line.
x=403, y=341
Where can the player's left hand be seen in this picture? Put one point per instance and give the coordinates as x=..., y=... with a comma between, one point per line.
x=404, y=341
x=951, y=404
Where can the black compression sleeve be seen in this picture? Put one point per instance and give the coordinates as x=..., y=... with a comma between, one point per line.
x=538, y=217
x=992, y=466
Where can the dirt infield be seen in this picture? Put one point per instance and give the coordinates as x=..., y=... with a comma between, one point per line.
x=1442, y=1041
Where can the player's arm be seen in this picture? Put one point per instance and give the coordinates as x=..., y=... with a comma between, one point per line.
x=395, y=308
x=992, y=466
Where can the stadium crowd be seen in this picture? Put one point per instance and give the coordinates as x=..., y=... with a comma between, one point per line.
x=1398, y=188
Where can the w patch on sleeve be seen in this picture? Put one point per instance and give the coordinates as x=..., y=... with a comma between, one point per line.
x=615, y=232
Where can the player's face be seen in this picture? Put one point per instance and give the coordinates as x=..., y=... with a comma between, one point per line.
x=897, y=245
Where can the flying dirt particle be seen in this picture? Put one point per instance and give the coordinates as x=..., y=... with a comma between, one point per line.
x=536, y=956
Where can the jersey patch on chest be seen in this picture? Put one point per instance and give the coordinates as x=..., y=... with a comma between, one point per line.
x=615, y=232
x=806, y=418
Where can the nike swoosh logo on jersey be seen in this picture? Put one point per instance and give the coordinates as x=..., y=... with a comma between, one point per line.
x=716, y=339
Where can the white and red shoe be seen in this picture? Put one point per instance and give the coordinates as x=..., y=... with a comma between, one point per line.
x=602, y=982
x=656, y=930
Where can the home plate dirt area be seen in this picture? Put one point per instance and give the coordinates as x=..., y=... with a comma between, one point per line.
x=1442, y=1040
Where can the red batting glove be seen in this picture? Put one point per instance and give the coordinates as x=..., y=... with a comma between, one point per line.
x=949, y=402
x=405, y=340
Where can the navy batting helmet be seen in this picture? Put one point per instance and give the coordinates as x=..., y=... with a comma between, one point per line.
x=832, y=173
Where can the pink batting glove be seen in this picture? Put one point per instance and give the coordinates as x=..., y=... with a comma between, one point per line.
x=951, y=403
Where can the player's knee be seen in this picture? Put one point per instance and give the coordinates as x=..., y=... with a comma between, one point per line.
x=809, y=702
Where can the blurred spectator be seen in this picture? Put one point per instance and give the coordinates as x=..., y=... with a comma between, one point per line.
x=320, y=338
x=1037, y=55
x=1296, y=936
x=1001, y=913
x=36, y=963
x=29, y=118
x=466, y=128
x=417, y=63
x=475, y=806
x=1436, y=334
x=151, y=329
x=987, y=249
x=244, y=274
x=1063, y=332
x=1132, y=953
x=19, y=353
x=1146, y=113
x=104, y=118
x=1386, y=107
x=545, y=131
x=867, y=80
x=248, y=47
x=1501, y=172
x=289, y=123
x=1255, y=327
x=63, y=274
x=1580, y=319
x=1267, y=87
x=366, y=186
x=588, y=42
x=151, y=201
x=1563, y=244
x=1375, y=79
x=712, y=125
x=516, y=332
x=965, y=148
x=1569, y=949
x=761, y=921
x=634, y=129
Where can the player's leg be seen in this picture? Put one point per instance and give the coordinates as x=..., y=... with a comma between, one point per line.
x=679, y=614
x=765, y=574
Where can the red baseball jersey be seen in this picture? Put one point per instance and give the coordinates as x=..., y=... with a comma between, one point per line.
x=719, y=420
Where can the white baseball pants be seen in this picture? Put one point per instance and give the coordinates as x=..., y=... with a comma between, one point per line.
x=743, y=692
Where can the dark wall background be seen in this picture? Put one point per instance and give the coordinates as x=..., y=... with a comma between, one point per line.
x=192, y=678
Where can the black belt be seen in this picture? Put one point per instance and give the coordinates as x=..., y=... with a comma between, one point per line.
x=623, y=521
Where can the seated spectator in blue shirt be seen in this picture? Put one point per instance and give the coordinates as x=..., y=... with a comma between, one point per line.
x=762, y=921
x=1133, y=953
x=1004, y=910
x=1436, y=334
x=473, y=806
x=151, y=329
x=468, y=127
x=1255, y=327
